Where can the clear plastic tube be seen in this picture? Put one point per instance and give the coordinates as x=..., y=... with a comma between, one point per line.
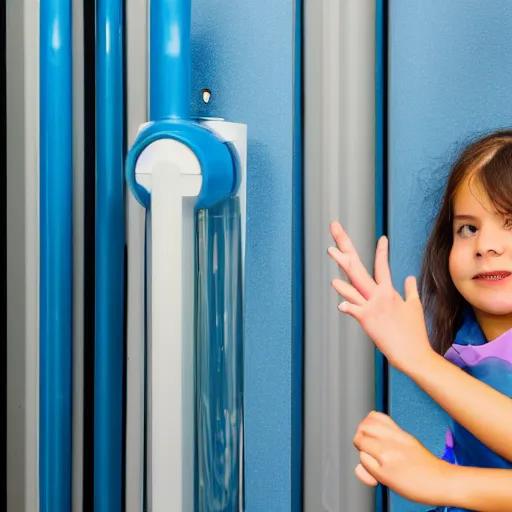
x=219, y=360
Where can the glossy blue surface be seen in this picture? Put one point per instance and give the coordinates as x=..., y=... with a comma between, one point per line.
x=297, y=266
x=450, y=69
x=170, y=59
x=245, y=56
x=380, y=191
x=56, y=171
x=110, y=246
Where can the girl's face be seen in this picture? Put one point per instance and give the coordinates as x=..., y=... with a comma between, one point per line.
x=481, y=256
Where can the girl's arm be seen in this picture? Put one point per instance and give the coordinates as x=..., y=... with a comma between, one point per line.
x=397, y=327
x=482, y=410
x=485, y=490
x=395, y=458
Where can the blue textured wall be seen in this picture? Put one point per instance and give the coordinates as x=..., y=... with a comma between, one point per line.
x=450, y=79
x=243, y=52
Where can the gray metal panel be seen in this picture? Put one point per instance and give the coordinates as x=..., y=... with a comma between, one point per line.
x=339, y=61
x=137, y=48
x=78, y=255
x=22, y=61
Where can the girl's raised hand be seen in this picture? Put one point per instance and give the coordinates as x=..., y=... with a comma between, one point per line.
x=399, y=461
x=396, y=326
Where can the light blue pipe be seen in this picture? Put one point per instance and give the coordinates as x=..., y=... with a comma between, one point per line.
x=56, y=255
x=110, y=246
x=170, y=22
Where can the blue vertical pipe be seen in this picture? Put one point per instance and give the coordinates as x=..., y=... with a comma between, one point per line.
x=380, y=195
x=110, y=243
x=56, y=255
x=297, y=265
x=380, y=151
x=170, y=24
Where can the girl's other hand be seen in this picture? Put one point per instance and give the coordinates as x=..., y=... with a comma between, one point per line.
x=399, y=461
x=396, y=326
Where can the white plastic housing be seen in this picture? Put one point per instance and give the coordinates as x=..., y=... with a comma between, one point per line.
x=172, y=173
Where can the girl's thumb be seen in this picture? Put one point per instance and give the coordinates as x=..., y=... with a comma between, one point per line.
x=411, y=289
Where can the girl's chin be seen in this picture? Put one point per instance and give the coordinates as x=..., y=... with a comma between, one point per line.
x=495, y=308
x=491, y=302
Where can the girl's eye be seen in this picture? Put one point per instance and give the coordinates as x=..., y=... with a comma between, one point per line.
x=466, y=230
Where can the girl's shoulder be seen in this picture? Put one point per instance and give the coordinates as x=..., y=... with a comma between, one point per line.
x=490, y=363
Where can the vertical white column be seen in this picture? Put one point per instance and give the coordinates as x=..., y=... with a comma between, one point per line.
x=339, y=183
x=175, y=181
x=136, y=114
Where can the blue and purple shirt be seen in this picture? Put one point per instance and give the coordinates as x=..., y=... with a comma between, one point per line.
x=490, y=363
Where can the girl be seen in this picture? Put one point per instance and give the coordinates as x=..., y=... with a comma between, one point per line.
x=466, y=289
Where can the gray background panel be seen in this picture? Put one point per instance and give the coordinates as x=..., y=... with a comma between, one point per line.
x=339, y=185
x=22, y=60
x=78, y=255
x=136, y=62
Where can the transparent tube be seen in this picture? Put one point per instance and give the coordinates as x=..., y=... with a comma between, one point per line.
x=219, y=360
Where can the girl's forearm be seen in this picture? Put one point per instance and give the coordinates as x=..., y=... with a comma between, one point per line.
x=482, y=410
x=485, y=490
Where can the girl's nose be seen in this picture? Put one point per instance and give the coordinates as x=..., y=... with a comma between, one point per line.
x=489, y=244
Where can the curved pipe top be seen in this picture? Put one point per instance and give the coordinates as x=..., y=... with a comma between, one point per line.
x=170, y=25
x=219, y=160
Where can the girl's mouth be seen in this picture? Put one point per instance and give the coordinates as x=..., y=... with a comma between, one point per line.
x=499, y=275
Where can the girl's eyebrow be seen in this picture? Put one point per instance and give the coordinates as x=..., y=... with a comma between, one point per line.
x=465, y=217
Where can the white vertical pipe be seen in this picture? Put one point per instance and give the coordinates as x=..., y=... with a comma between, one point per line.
x=136, y=114
x=174, y=178
x=339, y=82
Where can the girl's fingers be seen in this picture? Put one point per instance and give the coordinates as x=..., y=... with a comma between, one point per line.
x=374, y=428
x=341, y=238
x=348, y=292
x=411, y=289
x=364, y=476
x=354, y=270
x=382, y=271
x=370, y=464
x=351, y=309
x=381, y=418
x=370, y=444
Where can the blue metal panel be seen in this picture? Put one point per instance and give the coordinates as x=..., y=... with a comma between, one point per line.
x=56, y=167
x=170, y=59
x=244, y=55
x=450, y=69
x=110, y=244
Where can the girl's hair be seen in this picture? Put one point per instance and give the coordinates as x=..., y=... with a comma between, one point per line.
x=489, y=160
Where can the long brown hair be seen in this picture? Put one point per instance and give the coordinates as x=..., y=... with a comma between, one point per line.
x=489, y=159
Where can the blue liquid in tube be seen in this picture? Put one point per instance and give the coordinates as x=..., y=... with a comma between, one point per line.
x=219, y=359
